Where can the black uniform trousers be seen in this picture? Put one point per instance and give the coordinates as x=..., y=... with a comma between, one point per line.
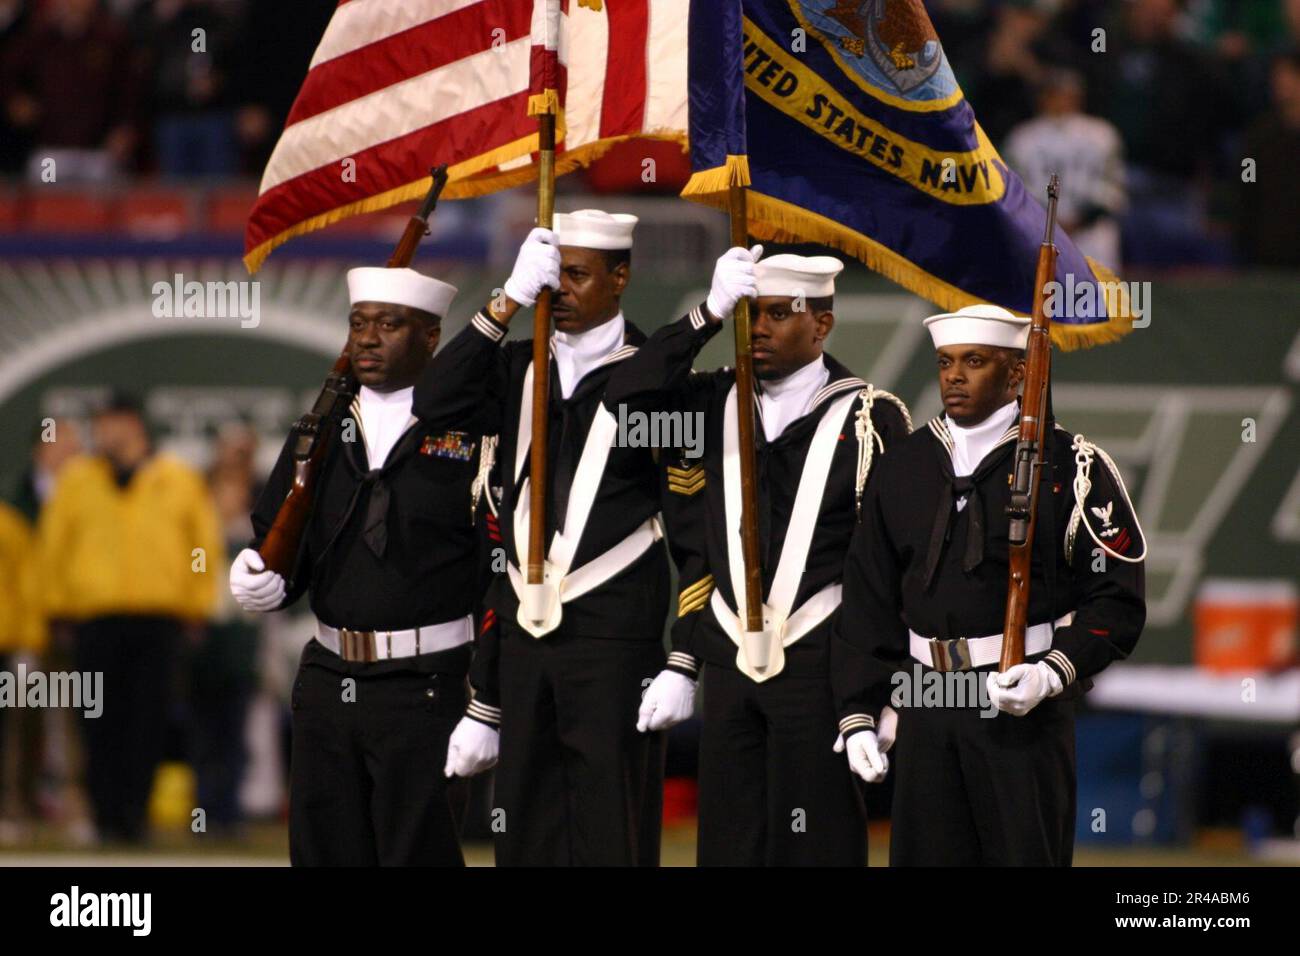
x=773, y=792
x=577, y=784
x=366, y=783
x=972, y=790
x=138, y=656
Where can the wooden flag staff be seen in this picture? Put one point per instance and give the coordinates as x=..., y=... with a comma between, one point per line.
x=536, y=570
x=752, y=599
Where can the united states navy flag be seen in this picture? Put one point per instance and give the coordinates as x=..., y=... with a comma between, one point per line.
x=845, y=120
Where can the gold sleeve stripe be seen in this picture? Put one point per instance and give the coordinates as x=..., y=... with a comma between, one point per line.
x=704, y=584
x=695, y=597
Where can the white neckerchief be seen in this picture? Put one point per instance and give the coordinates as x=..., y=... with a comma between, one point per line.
x=384, y=418
x=970, y=445
x=784, y=400
x=577, y=353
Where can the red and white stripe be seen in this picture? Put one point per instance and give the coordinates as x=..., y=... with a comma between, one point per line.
x=397, y=86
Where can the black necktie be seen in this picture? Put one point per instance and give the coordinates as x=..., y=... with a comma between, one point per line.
x=953, y=489
x=375, y=530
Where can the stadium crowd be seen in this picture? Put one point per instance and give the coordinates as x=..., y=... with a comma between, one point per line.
x=1175, y=120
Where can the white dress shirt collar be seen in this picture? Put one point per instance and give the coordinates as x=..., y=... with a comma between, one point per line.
x=577, y=353
x=970, y=445
x=784, y=400
x=385, y=416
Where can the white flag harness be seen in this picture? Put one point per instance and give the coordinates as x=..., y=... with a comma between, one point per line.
x=761, y=655
x=541, y=605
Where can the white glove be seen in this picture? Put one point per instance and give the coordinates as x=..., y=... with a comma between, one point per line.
x=536, y=267
x=668, y=701
x=254, y=587
x=472, y=748
x=1018, y=690
x=865, y=756
x=733, y=280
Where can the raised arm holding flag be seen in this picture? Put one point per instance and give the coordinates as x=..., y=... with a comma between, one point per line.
x=857, y=135
x=485, y=87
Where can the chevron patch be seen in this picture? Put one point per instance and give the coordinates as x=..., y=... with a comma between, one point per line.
x=695, y=597
x=685, y=481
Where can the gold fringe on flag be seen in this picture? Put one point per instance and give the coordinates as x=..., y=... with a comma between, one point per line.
x=734, y=172
x=463, y=182
x=776, y=220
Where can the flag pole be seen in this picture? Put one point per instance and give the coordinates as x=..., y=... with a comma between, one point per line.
x=541, y=361
x=753, y=596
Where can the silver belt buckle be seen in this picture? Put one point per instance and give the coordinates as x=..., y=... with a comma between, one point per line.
x=951, y=655
x=357, y=646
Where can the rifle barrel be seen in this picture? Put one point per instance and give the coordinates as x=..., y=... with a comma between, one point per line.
x=439, y=174
x=1053, y=193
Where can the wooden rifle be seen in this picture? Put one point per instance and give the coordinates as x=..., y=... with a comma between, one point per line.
x=1023, y=508
x=312, y=434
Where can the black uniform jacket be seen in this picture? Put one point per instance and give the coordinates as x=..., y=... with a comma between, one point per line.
x=388, y=549
x=918, y=563
x=659, y=377
x=475, y=384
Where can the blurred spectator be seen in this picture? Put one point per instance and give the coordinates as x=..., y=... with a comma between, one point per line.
x=961, y=26
x=22, y=631
x=1166, y=99
x=130, y=551
x=1232, y=28
x=43, y=736
x=1088, y=154
x=1282, y=35
x=224, y=675
x=15, y=141
x=193, y=123
x=1287, y=37
x=276, y=45
x=1010, y=67
x=1160, y=91
x=52, y=448
x=1268, y=229
x=70, y=83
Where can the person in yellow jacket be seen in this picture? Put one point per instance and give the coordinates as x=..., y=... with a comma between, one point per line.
x=129, y=555
x=22, y=628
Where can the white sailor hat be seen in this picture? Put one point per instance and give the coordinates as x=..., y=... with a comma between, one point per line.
x=812, y=277
x=595, y=229
x=400, y=287
x=982, y=324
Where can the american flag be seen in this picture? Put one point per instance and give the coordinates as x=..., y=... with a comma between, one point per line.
x=397, y=86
